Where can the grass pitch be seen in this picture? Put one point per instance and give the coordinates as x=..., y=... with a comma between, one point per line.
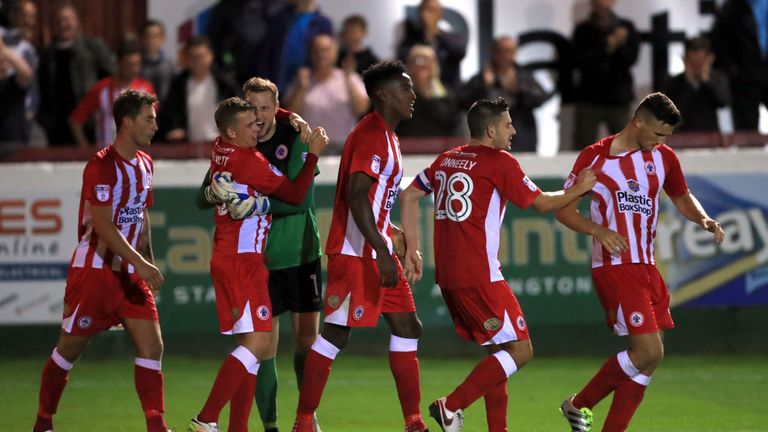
x=686, y=394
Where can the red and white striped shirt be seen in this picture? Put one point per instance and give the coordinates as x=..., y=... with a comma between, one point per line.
x=99, y=101
x=371, y=148
x=126, y=186
x=253, y=175
x=626, y=196
x=472, y=185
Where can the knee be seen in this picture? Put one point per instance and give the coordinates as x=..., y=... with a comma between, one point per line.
x=337, y=335
x=522, y=355
x=304, y=342
x=409, y=329
x=647, y=358
x=152, y=351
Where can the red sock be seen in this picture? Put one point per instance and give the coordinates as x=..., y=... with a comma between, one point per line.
x=51, y=387
x=317, y=368
x=486, y=375
x=604, y=382
x=231, y=375
x=149, y=386
x=496, y=408
x=626, y=399
x=240, y=406
x=405, y=369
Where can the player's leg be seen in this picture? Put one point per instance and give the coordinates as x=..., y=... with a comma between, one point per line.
x=148, y=378
x=404, y=364
x=306, y=304
x=55, y=376
x=266, y=386
x=306, y=327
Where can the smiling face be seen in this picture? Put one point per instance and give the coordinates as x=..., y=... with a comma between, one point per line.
x=244, y=131
x=266, y=108
x=142, y=128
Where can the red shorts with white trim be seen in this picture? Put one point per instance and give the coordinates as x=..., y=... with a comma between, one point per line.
x=487, y=314
x=97, y=299
x=242, y=293
x=354, y=296
x=634, y=297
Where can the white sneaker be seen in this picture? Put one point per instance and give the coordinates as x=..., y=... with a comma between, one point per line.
x=196, y=425
x=449, y=421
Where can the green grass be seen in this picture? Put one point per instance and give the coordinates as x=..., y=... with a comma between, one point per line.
x=687, y=394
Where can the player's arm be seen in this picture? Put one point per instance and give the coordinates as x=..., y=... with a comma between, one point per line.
x=106, y=230
x=280, y=208
x=611, y=240
x=294, y=191
x=409, y=215
x=551, y=201
x=357, y=198
x=82, y=112
x=23, y=73
x=144, y=244
x=691, y=209
x=201, y=197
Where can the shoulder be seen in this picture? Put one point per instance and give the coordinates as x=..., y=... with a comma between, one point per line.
x=145, y=156
x=666, y=152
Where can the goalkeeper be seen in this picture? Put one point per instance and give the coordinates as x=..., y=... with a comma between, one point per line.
x=293, y=244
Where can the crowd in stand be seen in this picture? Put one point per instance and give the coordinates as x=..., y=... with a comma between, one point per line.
x=318, y=70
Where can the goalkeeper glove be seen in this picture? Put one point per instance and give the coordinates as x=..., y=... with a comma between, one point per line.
x=245, y=208
x=221, y=189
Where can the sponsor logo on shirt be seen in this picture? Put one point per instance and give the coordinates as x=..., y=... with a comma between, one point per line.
x=492, y=324
x=281, y=152
x=650, y=168
x=530, y=184
x=628, y=202
x=130, y=215
x=633, y=185
x=391, y=197
x=102, y=192
x=275, y=170
x=304, y=156
x=376, y=164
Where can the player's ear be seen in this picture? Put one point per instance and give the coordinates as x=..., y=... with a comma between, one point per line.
x=230, y=133
x=490, y=131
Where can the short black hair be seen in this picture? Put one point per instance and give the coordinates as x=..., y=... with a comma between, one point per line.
x=661, y=108
x=130, y=103
x=357, y=20
x=151, y=23
x=380, y=73
x=698, y=43
x=484, y=112
x=197, y=41
x=228, y=109
x=128, y=47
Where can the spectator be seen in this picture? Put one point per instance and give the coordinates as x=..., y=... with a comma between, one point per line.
x=187, y=113
x=740, y=41
x=15, y=78
x=99, y=99
x=325, y=95
x=353, y=55
x=295, y=28
x=19, y=38
x=69, y=66
x=156, y=67
x=605, y=48
x=503, y=77
x=436, y=109
x=700, y=90
x=450, y=47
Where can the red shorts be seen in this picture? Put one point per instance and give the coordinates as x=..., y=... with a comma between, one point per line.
x=634, y=297
x=97, y=299
x=488, y=315
x=242, y=293
x=354, y=296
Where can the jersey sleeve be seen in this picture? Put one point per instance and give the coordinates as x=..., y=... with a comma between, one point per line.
x=674, y=181
x=583, y=161
x=254, y=170
x=516, y=186
x=369, y=154
x=97, y=183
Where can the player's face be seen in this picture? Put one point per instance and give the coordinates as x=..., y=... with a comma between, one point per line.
x=400, y=96
x=653, y=133
x=504, y=132
x=245, y=129
x=266, y=108
x=144, y=126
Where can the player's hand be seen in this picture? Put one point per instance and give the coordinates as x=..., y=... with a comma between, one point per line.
x=221, y=189
x=151, y=275
x=387, y=269
x=245, y=208
x=586, y=180
x=413, y=266
x=611, y=241
x=318, y=141
x=713, y=226
x=301, y=126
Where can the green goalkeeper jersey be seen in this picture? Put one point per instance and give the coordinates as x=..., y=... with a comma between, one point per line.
x=293, y=237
